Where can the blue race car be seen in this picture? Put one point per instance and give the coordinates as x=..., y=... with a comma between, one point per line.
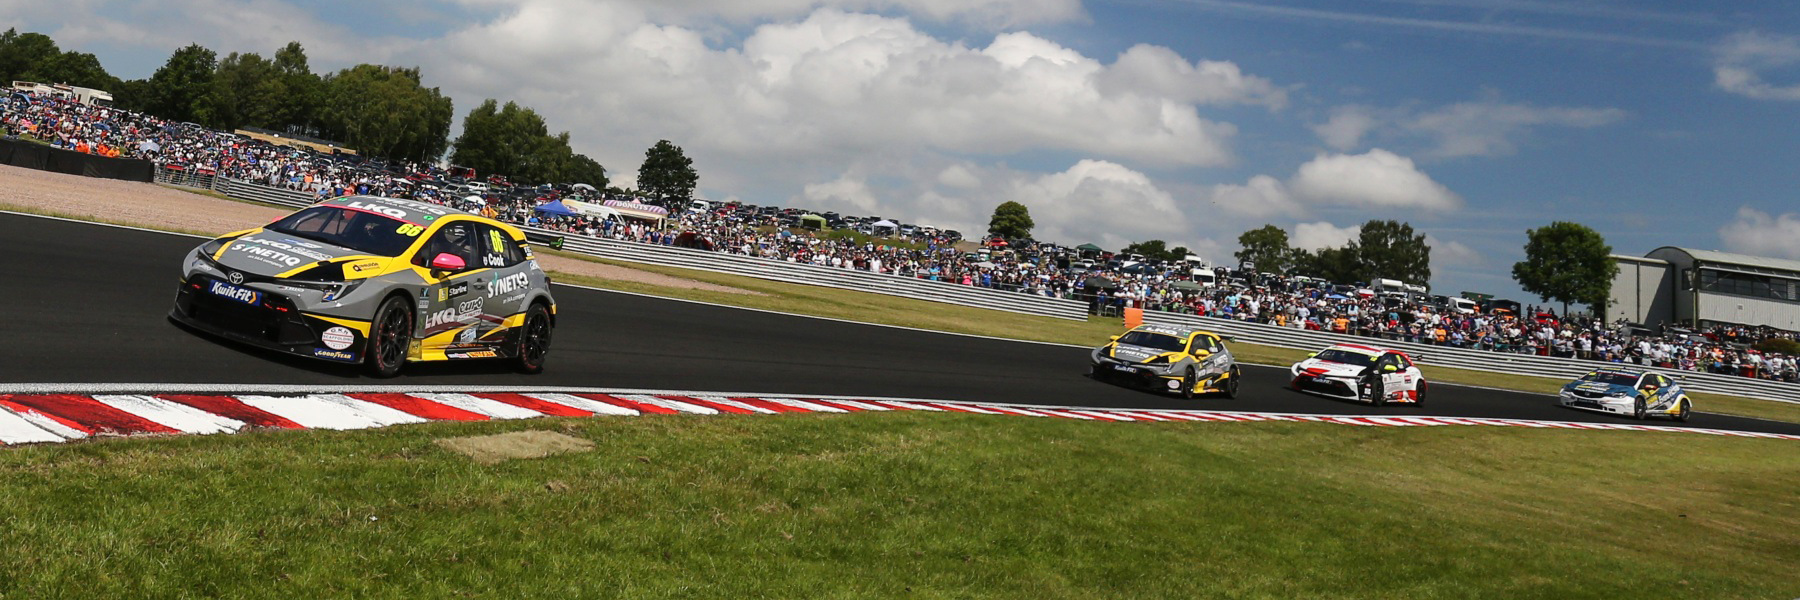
x=1637, y=394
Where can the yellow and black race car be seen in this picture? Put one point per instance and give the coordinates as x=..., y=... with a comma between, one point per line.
x=377, y=281
x=1178, y=359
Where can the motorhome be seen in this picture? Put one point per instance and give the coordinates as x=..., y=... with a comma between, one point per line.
x=1199, y=271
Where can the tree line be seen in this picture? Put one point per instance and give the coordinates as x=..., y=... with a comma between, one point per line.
x=378, y=110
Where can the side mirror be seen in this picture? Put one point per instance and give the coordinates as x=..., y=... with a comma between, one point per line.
x=446, y=261
x=1115, y=338
x=1389, y=368
x=1311, y=354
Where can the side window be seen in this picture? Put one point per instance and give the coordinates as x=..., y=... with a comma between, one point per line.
x=1212, y=343
x=1404, y=362
x=497, y=248
x=1389, y=360
x=454, y=238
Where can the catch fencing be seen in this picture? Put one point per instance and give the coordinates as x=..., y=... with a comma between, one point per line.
x=1475, y=360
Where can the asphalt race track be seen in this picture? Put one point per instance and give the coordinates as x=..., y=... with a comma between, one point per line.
x=87, y=304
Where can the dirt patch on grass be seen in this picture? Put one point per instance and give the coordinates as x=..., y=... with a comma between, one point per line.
x=162, y=207
x=492, y=449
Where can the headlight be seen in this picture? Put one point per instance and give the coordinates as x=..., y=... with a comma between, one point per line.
x=333, y=290
x=1160, y=360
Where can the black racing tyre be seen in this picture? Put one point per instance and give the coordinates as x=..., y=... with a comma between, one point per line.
x=1377, y=391
x=533, y=342
x=1419, y=399
x=1682, y=410
x=1231, y=382
x=390, y=333
x=1099, y=374
x=1188, y=381
x=1637, y=410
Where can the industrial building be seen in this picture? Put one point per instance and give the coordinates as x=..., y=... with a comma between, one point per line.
x=1688, y=287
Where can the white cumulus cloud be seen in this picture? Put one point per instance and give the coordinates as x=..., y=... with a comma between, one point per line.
x=1320, y=235
x=1451, y=253
x=1742, y=58
x=1758, y=233
x=1374, y=179
x=1486, y=127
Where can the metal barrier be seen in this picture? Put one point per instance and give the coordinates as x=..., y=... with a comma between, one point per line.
x=184, y=178
x=749, y=266
x=1475, y=360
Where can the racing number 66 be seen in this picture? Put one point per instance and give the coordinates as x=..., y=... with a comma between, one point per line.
x=411, y=230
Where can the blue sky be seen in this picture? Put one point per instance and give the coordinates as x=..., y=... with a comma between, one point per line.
x=1657, y=123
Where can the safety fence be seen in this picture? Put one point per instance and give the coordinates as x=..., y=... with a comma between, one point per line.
x=1475, y=360
x=749, y=266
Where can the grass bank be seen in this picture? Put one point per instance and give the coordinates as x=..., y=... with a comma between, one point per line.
x=886, y=505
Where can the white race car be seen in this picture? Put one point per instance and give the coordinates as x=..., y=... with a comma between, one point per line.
x=1361, y=373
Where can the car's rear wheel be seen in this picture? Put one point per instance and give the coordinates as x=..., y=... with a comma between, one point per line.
x=389, y=335
x=1681, y=413
x=1231, y=382
x=534, y=340
x=1189, y=381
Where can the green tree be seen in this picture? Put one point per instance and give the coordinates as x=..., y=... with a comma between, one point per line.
x=582, y=169
x=1267, y=247
x=175, y=90
x=301, y=90
x=1337, y=265
x=1011, y=220
x=73, y=68
x=1567, y=262
x=246, y=91
x=667, y=173
x=1392, y=250
x=23, y=54
x=385, y=111
x=1157, y=249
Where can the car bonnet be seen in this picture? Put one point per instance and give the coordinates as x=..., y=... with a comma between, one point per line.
x=1136, y=353
x=264, y=252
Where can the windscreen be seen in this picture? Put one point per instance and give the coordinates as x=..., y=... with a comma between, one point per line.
x=1166, y=343
x=1610, y=378
x=1345, y=357
x=357, y=230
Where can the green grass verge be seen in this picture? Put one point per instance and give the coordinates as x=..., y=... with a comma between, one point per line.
x=909, y=505
x=892, y=310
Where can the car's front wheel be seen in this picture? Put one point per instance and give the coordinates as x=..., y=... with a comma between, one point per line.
x=1637, y=410
x=389, y=335
x=534, y=340
x=1375, y=390
x=1189, y=381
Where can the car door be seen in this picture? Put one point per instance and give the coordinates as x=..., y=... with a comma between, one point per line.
x=1209, y=353
x=508, y=286
x=453, y=302
x=1395, y=379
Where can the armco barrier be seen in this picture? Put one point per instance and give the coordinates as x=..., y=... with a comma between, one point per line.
x=1475, y=360
x=749, y=266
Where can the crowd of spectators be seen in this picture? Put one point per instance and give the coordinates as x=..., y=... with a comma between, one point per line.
x=1026, y=266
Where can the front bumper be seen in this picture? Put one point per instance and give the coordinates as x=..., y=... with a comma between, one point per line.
x=1139, y=375
x=272, y=321
x=1321, y=385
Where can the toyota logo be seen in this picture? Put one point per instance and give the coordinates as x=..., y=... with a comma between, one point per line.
x=237, y=277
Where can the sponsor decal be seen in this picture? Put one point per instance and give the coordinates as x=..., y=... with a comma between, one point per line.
x=493, y=260
x=338, y=338
x=514, y=298
x=284, y=246
x=364, y=265
x=467, y=336
x=507, y=284
x=534, y=265
x=467, y=309
x=472, y=354
x=301, y=243
x=333, y=354
x=268, y=255
x=459, y=288
x=377, y=209
x=244, y=295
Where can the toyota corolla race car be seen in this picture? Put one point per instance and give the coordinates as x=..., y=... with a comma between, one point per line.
x=377, y=281
x=1625, y=392
x=1177, y=359
x=1361, y=373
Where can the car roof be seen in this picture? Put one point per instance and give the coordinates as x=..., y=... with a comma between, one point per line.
x=1361, y=349
x=1181, y=331
x=1628, y=372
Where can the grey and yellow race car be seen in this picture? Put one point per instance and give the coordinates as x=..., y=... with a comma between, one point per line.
x=375, y=281
x=1184, y=360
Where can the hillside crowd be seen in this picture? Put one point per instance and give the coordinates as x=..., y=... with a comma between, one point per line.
x=1025, y=266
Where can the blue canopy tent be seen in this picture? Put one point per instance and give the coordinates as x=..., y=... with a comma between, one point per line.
x=555, y=208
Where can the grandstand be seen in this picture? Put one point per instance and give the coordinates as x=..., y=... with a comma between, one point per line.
x=1733, y=289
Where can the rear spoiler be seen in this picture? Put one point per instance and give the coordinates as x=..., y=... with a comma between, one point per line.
x=544, y=239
